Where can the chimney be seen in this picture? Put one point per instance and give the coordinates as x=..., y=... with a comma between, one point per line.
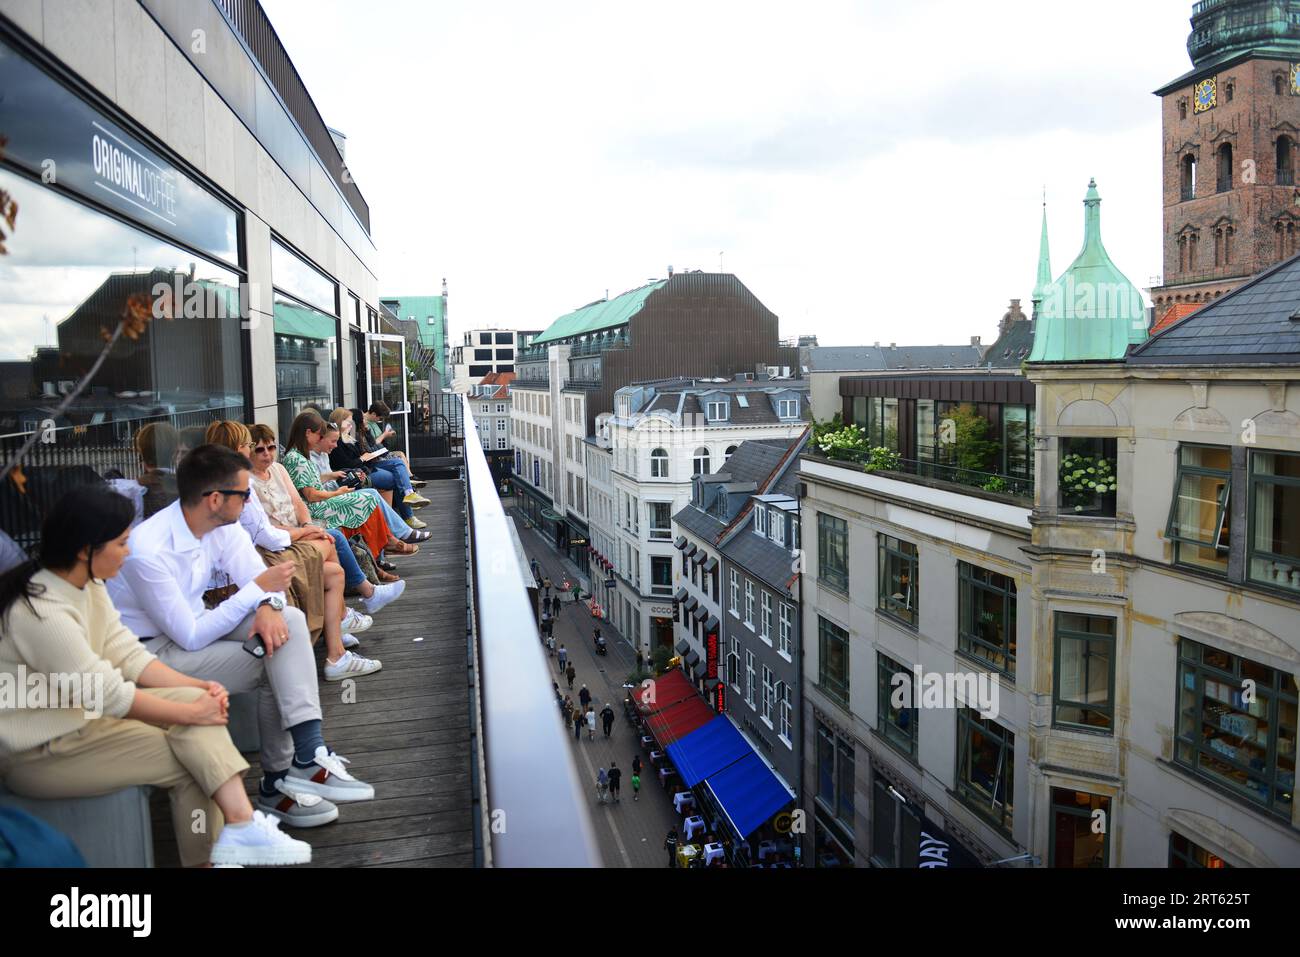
x=975, y=341
x=670, y=272
x=893, y=345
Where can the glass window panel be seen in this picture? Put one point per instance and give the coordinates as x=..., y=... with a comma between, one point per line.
x=306, y=354
x=925, y=434
x=1075, y=841
x=985, y=765
x=987, y=617
x=898, y=594
x=834, y=660
x=302, y=280
x=896, y=724
x=1085, y=669
x=68, y=274
x=1275, y=520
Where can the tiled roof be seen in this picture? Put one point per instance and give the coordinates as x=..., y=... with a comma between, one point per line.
x=1175, y=314
x=1012, y=347
x=872, y=358
x=1254, y=324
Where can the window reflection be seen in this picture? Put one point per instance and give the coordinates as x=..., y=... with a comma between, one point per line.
x=68, y=275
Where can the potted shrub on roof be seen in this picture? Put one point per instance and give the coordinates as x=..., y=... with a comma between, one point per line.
x=1087, y=476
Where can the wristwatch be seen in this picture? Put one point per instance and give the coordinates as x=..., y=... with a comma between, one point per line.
x=275, y=601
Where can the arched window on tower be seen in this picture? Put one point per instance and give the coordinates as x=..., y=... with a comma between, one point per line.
x=1288, y=249
x=1188, y=176
x=1228, y=90
x=1218, y=246
x=1228, y=233
x=1279, y=84
x=1182, y=254
x=1285, y=161
x=1225, y=167
x=1182, y=109
x=1192, y=240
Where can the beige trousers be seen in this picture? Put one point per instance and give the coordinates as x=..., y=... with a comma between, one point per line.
x=109, y=754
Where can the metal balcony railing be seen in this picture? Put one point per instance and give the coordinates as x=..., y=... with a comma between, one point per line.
x=534, y=806
x=1012, y=485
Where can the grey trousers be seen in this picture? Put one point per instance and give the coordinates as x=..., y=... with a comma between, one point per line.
x=288, y=692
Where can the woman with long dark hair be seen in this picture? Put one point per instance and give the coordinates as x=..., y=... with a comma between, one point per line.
x=97, y=731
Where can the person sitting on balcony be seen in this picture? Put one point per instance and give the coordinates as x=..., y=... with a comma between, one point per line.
x=159, y=595
x=318, y=581
x=377, y=455
x=286, y=509
x=381, y=433
x=190, y=437
x=397, y=515
x=343, y=508
x=156, y=445
x=148, y=723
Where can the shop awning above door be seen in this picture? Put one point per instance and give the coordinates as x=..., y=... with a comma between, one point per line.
x=673, y=724
x=667, y=690
x=707, y=750
x=748, y=793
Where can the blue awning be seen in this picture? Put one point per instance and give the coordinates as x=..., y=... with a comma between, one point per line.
x=707, y=750
x=748, y=793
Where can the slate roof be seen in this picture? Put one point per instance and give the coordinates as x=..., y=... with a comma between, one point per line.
x=1252, y=325
x=760, y=410
x=872, y=358
x=1012, y=347
x=748, y=466
x=761, y=557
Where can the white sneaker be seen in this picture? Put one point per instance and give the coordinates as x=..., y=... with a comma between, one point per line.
x=382, y=596
x=259, y=842
x=350, y=666
x=350, y=641
x=329, y=779
x=354, y=622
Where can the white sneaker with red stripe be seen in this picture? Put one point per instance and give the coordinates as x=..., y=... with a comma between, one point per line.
x=297, y=810
x=328, y=778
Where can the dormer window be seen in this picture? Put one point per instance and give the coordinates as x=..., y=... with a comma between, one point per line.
x=788, y=408
x=717, y=411
x=760, y=520
x=777, y=524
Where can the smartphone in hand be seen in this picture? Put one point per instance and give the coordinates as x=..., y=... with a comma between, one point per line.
x=255, y=646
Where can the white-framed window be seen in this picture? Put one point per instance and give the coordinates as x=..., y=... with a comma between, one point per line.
x=760, y=519
x=751, y=681
x=700, y=462
x=717, y=411
x=501, y=443
x=768, y=695
x=785, y=618
x=658, y=464
x=749, y=604
x=487, y=443
x=501, y=425
x=788, y=408
x=500, y=407
x=733, y=665
x=735, y=593
x=785, y=713
x=777, y=526
x=765, y=618
x=485, y=408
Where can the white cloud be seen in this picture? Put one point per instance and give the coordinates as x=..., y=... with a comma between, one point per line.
x=861, y=164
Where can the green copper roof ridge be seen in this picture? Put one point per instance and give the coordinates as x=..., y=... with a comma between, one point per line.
x=1092, y=311
x=1043, y=278
x=599, y=315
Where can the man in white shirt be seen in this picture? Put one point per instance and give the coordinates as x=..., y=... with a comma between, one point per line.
x=159, y=594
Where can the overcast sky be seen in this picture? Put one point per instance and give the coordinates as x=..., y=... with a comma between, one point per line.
x=871, y=170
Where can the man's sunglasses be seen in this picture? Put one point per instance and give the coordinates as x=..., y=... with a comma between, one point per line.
x=231, y=491
x=263, y=449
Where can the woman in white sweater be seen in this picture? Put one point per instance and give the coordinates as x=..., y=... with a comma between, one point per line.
x=96, y=730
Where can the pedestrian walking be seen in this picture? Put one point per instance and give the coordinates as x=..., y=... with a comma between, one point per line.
x=615, y=777
x=571, y=673
x=559, y=698
x=555, y=605
x=585, y=697
x=591, y=723
x=563, y=655
x=636, y=764
x=602, y=785
x=636, y=786
x=536, y=569
x=670, y=844
x=577, y=725
x=607, y=718
x=577, y=593
x=546, y=586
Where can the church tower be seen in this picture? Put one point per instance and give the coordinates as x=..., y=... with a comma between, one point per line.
x=1231, y=132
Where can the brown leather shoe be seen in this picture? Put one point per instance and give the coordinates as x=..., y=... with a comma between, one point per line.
x=387, y=577
x=394, y=547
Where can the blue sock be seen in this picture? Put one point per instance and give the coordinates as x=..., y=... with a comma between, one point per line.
x=267, y=787
x=306, y=739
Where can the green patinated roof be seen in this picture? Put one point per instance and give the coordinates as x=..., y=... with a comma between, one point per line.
x=1044, y=277
x=605, y=314
x=1092, y=312
x=421, y=309
x=1222, y=28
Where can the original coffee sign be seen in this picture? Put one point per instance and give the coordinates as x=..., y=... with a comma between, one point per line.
x=67, y=144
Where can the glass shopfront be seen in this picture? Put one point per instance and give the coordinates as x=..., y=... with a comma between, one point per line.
x=306, y=336
x=103, y=225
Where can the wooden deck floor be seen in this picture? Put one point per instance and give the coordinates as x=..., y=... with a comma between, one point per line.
x=408, y=730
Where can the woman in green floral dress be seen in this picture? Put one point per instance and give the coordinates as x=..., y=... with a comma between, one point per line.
x=344, y=509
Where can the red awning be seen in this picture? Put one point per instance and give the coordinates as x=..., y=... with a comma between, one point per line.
x=681, y=719
x=665, y=691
